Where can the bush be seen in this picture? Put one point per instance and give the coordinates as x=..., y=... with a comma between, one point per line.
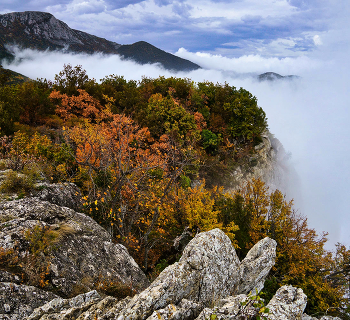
x=15, y=182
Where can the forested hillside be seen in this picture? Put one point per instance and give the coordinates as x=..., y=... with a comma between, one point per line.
x=152, y=158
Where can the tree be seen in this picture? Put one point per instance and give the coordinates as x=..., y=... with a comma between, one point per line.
x=167, y=116
x=82, y=106
x=301, y=259
x=70, y=79
x=10, y=109
x=130, y=177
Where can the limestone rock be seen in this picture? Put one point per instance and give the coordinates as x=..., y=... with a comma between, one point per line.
x=229, y=309
x=207, y=271
x=185, y=310
x=66, y=308
x=307, y=317
x=62, y=194
x=83, y=252
x=19, y=301
x=287, y=304
x=271, y=164
x=256, y=265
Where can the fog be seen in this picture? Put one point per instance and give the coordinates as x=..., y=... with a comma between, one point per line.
x=309, y=115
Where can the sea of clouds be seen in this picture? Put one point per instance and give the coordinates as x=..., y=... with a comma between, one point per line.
x=309, y=115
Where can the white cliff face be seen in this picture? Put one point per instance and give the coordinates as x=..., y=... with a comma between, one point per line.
x=270, y=163
x=50, y=31
x=41, y=24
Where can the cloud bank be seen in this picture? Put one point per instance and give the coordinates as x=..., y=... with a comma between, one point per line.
x=310, y=116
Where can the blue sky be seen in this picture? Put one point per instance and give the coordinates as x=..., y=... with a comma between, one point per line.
x=277, y=28
x=232, y=40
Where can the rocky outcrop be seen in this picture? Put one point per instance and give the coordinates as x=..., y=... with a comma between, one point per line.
x=256, y=265
x=82, y=256
x=287, y=303
x=62, y=194
x=51, y=32
x=208, y=271
x=205, y=284
x=60, y=308
x=270, y=163
x=18, y=301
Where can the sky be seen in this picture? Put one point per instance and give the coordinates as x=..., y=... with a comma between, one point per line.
x=232, y=40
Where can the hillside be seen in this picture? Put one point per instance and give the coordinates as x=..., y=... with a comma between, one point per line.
x=42, y=31
x=144, y=167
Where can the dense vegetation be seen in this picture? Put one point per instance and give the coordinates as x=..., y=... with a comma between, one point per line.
x=150, y=158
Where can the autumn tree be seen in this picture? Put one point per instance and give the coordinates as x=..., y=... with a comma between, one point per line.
x=130, y=176
x=301, y=259
x=70, y=79
x=82, y=106
x=10, y=109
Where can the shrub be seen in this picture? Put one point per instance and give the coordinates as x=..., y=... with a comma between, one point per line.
x=15, y=182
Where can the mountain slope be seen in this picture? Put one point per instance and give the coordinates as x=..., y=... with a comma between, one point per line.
x=143, y=52
x=272, y=76
x=42, y=31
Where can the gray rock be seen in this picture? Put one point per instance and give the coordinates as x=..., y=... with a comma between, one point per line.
x=230, y=308
x=287, y=304
x=62, y=194
x=19, y=301
x=66, y=308
x=185, y=310
x=256, y=265
x=84, y=253
x=208, y=271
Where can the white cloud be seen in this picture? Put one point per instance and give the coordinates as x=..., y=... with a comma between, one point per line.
x=237, y=10
x=317, y=40
x=251, y=63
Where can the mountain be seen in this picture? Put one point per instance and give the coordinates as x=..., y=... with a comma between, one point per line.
x=42, y=31
x=9, y=77
x=143, y=52
x=272, y=76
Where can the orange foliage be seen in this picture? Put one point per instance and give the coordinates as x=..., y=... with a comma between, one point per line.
x=82, y=105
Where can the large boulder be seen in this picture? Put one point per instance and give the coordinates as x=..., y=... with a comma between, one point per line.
x=208, y=271
x=83, y=254
x=72, y=308
x=18, y=301
x=255, y=267
x=287, y=304
x=62, y=194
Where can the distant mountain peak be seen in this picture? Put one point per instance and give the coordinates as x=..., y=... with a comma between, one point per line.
x=42, y=31
x=272, y=76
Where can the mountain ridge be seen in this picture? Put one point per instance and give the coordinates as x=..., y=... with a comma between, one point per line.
x=42, y=31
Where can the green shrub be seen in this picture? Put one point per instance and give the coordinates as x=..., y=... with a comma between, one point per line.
x=15, y=182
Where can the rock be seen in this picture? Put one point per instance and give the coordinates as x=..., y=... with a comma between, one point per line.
x=19, y=301
x=185, y=310
x=83, y=254
x=287, y=304
x=66, y=308
x=271, y=164
x=62, y=194
x=208, y=271
x=256, y=265
x=182, y=240
x=230, y=308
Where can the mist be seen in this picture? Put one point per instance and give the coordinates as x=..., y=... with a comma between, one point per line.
x=309, y=115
